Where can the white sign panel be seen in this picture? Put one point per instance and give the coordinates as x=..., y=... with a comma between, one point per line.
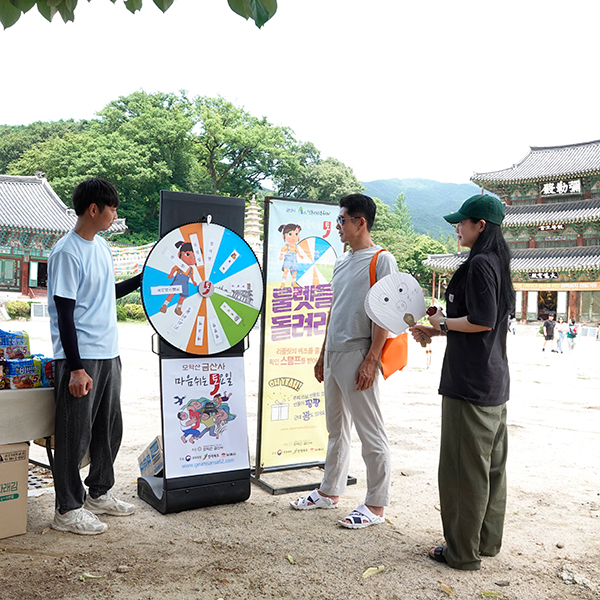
x=204, y=414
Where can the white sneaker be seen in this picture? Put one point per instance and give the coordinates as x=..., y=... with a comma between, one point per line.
x=109, y=505
x=79, y=521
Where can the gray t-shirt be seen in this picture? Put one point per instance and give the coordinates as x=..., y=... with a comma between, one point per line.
x=349, y=326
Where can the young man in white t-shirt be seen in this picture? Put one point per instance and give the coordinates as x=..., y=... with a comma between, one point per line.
x=83, y=324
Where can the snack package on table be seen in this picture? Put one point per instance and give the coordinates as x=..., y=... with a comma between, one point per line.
x=24, y=373
x=14, y=344
x=3, y=378
x=47, y=370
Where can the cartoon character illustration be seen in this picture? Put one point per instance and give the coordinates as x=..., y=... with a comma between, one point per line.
x=213, y=414
x=182, y=278
x=189, y=427
x=289, y=252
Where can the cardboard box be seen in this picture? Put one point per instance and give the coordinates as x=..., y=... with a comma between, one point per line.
x=151, y=459
x=14, y=465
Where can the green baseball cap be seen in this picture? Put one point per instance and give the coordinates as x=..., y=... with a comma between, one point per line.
x=481, y=206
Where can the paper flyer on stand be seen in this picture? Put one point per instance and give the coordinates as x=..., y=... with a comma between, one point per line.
x=204, y=413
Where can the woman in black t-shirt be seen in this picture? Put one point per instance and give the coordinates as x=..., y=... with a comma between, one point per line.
x=474, y=387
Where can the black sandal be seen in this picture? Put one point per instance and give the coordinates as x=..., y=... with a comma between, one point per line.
x=437, y=554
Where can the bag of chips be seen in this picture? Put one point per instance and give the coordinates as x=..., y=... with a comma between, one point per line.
x=14, y=344
x=24, y=373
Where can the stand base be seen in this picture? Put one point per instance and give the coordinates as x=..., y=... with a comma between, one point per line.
x=276, y=490
x=166, y=499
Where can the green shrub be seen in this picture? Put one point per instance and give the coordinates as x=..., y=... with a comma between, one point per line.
x=18, y=308
x=135, y=311
x=121, y=313
x=133, y=298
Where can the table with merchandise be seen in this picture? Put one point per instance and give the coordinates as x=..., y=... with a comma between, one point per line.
x=27, y=392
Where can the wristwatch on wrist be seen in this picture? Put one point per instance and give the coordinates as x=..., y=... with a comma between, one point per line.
x=443, y=327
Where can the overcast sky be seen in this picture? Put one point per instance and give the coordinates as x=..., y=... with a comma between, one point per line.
x=393, y=88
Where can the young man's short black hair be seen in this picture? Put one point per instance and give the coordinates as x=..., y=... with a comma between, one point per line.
x=94, y=191
x=359, y=205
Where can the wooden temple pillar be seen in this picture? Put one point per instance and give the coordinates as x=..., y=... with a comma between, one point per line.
x=573, y=305
x=25, y=276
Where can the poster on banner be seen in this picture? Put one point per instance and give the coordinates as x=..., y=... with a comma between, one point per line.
x=302, y=248
x=204, y=416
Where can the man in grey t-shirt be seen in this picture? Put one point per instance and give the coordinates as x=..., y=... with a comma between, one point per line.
x=349, y=365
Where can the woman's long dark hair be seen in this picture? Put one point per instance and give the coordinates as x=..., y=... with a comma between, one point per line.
x=491, y=241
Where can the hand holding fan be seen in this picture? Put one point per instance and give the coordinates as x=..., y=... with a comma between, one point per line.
x=393, y=299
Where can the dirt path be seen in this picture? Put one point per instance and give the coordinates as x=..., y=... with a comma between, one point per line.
x=263, y=549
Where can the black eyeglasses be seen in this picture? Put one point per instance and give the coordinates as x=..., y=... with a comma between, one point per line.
x=340, y=220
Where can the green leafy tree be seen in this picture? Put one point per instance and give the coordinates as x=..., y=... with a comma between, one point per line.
x=449, y=242
x=141, y=142
x=402, y=215
x=393, y=231
x=415, y=252
x=392, y=226
x=74, y=157
x=162, y=124
x=303, y=174
x=260, y=11
x=290, y=179
x=15, y=140
x=145, y=143
x=330, y=179
x=236, y=150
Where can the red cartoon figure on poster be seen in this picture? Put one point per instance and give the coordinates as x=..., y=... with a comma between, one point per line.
x=181, y=277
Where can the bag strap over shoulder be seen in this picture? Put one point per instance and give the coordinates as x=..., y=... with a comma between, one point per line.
x=373, y=267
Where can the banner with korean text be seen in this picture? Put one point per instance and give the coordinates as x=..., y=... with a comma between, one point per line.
x=204, y=415
x=301, y=246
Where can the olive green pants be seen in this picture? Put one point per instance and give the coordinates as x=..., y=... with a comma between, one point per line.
x=472, y=481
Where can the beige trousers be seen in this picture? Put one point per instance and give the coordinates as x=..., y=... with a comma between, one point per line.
x=343, y=404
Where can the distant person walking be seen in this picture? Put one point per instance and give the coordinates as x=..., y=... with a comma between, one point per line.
x=512, y=325
x=549, y=325
x=572, y=334
x=561, y=328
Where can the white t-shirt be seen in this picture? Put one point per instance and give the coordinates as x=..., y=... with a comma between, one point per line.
x=349, y=326
x=82, y=270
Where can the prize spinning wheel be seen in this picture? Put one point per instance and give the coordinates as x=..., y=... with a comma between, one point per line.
x=202, y=288
x=316, y=259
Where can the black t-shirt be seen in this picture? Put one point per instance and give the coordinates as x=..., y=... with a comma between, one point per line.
x=475, y=365
x=549, y=327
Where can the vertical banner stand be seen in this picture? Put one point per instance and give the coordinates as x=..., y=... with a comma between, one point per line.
x=202, y=291
x=315, y=269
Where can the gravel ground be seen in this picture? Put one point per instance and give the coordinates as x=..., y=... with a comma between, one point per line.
x=262, y=549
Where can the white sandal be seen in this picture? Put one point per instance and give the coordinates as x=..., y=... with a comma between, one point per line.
x=313, y=500
x=361, y=517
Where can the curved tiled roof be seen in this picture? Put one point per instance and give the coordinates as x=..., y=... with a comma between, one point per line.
x=446, y=262
x=561, y=212
x=549, y=162
x=30, y=203
x=530, y=259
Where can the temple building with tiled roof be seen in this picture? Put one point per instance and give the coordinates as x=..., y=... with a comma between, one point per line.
x=552, y=226
x=32, y=219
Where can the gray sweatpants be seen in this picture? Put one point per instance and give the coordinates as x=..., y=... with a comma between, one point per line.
x=93, y=421
x=343, y=404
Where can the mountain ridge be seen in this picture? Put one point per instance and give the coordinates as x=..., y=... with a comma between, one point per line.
x=426, y=199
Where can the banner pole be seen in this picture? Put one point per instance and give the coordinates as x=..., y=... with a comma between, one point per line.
x=263, y=329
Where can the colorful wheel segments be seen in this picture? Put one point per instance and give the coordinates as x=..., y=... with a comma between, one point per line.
x=316, y=259
x=202, y=288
